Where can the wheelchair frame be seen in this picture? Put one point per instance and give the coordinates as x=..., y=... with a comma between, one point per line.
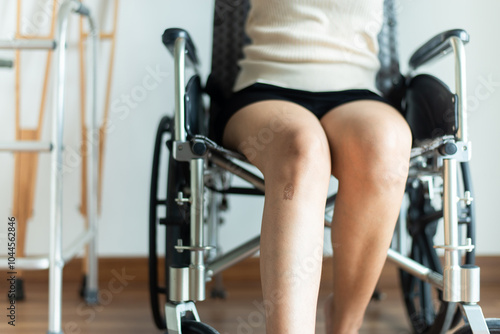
x=460, y=284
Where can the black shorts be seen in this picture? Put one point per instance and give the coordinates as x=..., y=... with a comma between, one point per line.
x=319, y=103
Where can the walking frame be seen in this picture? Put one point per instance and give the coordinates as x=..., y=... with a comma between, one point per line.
x=58, y=257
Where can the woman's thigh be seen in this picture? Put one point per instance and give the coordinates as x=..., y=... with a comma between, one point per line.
x=274, y=132
x=368, y=139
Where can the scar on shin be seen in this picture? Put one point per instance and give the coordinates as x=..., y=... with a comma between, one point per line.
x=288, y=192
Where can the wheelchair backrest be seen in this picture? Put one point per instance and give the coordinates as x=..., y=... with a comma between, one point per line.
x=229, y=38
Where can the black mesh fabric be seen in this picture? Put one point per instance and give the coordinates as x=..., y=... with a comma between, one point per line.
x=389, y=80
x=388, y=49
x=228, y=40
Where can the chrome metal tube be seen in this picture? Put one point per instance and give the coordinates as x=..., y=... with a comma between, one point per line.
x=180, y=86
x=28, y=44
x=178, y=284
x=27, y=262
x=40, y=262
x=56, y=261
x=213, y=224
x=25, y=146
x=227, y=260
x=93, y=166
x=230, y=166
x=470, y=283
x=460, y=87
x=451, y=269
x=416, y=269
x=197, y=266
x=56, y=187
x=401, y=231
x=82, y=239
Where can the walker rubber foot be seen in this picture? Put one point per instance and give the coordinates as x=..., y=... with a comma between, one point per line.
x=18, y=294
x=83, y=287
x=91, y=297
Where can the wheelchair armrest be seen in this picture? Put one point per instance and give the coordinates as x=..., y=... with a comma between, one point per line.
x=169, y=37
x=436, y=46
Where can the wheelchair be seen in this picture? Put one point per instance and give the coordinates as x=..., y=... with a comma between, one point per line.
x=195, y=182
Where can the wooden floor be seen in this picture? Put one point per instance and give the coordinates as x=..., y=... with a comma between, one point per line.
x=125, y=307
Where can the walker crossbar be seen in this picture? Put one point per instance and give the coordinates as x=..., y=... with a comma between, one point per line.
x=28, y=44
x=42, y=262
x=25, y=146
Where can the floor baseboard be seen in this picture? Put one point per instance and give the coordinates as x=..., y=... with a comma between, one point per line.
x=245, y=271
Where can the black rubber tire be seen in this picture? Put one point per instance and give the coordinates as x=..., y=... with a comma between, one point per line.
x=470, y=257
x=156, y=300
x=427, y=312
x=493, y=326
x=175, y=227
x=196, y=327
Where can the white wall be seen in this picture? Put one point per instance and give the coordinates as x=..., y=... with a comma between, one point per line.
x=129, y=146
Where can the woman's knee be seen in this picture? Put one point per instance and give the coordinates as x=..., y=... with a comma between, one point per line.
x=297, y=154
x=379, y=154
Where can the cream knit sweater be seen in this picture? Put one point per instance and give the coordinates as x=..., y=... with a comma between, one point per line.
x=314, y=45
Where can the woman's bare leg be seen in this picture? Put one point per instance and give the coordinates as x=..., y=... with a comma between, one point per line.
x=288, y=145
x=370, y=144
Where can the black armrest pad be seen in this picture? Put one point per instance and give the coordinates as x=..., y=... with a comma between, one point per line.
x=169, y=37
x=436, y=46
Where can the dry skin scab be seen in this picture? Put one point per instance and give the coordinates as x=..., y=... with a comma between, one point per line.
x=288, y=192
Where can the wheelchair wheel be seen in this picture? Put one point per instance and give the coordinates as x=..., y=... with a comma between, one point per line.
x=174, y=224
x=196, y=327
x=493, y=326
x=427, y=312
